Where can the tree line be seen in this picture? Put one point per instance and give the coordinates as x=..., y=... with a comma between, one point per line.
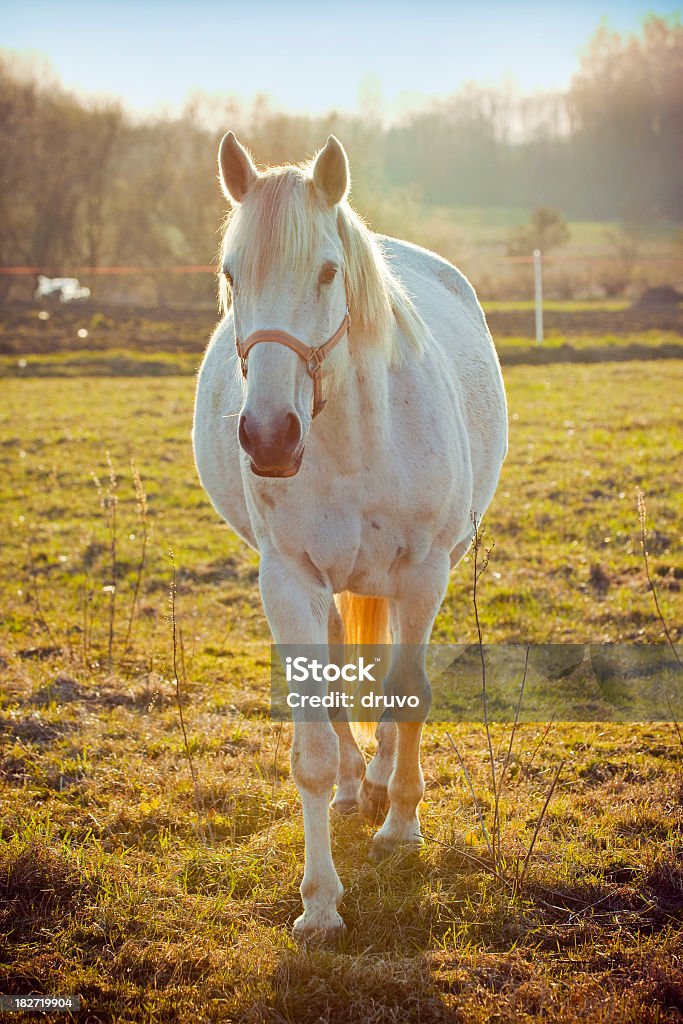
x=85, y=183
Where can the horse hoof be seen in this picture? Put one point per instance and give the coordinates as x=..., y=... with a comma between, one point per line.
x=373, y=802
x=344, y=807
x=326, y=937
x=384, y=849
x=381, y=850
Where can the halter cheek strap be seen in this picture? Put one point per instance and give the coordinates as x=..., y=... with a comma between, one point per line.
x=313, y=356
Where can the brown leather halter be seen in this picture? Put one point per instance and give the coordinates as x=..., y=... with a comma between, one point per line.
x=313, y=356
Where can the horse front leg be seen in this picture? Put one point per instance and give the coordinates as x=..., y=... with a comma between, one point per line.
x=297, y=607
x=420, y=595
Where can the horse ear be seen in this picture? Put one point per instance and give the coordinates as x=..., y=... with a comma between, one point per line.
x=331, y=172
x=237, y=171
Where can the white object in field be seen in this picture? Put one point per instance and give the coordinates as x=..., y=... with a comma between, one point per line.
x=538, y=295
x=68, y=289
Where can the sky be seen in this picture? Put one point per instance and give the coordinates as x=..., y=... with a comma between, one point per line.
x=309, y=56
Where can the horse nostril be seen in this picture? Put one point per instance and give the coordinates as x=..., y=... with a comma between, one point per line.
x=292, y=434
x=243, y=434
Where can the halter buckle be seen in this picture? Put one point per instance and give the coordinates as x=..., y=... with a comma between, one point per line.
x=314, y=363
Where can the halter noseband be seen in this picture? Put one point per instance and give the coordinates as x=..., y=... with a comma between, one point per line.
x=313, y=356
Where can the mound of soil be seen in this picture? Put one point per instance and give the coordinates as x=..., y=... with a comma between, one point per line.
x=657, y=298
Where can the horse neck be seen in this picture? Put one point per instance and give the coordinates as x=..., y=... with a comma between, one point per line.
x=351, y=429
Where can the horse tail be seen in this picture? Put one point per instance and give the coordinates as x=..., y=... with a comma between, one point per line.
x=366, y=621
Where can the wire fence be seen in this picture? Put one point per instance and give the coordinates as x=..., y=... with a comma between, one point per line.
x=496, y=278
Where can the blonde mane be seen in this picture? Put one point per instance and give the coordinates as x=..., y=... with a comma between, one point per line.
x=284, y=223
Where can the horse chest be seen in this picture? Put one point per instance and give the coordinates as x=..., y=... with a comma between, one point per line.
x=356, y=548
x=384, y=551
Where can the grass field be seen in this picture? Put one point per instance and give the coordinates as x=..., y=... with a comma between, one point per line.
x=558, y=305
x=160, y=903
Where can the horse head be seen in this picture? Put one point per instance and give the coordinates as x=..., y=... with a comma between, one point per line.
x=284, y=268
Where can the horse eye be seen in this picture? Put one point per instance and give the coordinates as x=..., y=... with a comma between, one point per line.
x=327, y=274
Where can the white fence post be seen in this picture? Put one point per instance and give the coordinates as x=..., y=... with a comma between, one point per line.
x=538, y=295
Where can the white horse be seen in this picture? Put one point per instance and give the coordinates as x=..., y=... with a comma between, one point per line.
x=372, y=501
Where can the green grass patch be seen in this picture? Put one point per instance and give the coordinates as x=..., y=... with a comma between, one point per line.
x=110, y=363
x=558, y=306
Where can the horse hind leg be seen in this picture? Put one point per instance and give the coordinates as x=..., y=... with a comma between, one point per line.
x=351, y=771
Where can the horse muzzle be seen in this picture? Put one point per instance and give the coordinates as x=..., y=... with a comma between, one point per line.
x=275, y=449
